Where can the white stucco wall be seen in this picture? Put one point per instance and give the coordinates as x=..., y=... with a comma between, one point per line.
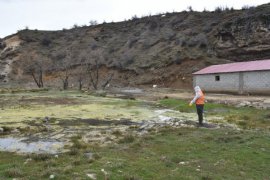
x=257, y=81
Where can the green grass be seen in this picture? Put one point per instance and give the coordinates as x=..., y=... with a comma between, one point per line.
x=184, y=153
x=176, y=104
x=245, y=117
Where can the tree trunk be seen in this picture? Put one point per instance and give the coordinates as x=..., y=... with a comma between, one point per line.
x=41, y=78
x=35, y=79
x=65, y=83
x=80, y=83
x=107, y=82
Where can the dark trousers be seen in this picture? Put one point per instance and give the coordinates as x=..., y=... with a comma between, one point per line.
x=199, y=108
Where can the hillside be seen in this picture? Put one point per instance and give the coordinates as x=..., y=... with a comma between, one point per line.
x=162, y=49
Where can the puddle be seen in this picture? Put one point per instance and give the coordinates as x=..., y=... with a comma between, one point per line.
x=19, y=145
x=96, y=122
x=162, y=117
x=132, y=91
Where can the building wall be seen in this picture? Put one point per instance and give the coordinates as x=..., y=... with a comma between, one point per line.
x=243, y=82
x=227, y=82
x=257, y=81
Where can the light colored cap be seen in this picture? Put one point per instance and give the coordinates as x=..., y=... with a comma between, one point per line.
x=197, y=88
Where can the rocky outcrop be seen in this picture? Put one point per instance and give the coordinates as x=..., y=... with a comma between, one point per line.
x=246, y=36
x=8, y=53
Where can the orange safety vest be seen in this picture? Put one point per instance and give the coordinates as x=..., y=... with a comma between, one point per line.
x=200, y=100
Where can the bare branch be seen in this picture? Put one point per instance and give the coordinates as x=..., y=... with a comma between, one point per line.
x=107, y=82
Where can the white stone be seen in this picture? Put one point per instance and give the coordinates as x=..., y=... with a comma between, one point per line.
x=92, y=176
x=52, y=176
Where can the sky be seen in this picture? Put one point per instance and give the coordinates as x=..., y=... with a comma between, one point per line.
x=58, y=14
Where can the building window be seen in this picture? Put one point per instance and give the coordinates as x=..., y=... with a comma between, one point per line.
x=217, y=78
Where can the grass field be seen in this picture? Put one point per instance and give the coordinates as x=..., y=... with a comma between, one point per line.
x=162, y=153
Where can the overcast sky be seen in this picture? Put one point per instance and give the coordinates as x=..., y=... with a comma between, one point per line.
x=59, y=14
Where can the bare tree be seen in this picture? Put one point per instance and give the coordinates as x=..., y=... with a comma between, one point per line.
x=64, y=65
x=35, y=67
x=94, y=76
x=93, y=72
x=65, y=73
x=81, y=73
x=65, y=76
x=80, y=80
x=106, y=83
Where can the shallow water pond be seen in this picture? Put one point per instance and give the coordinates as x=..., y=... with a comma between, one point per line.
x=20, y=145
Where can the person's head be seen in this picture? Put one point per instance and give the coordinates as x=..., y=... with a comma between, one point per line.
x=197, y=88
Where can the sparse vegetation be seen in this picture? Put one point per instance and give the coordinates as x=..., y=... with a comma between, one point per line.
x=129, y=138
x=14, y=172
x=194, y=153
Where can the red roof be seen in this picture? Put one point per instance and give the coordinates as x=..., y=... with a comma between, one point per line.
x=236, y=67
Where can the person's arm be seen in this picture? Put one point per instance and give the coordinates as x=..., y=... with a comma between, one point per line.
x=195, y=98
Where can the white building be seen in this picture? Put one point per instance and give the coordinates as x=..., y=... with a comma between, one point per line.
x=242, y=77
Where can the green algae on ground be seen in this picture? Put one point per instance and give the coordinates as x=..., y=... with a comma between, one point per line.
x=35, y=106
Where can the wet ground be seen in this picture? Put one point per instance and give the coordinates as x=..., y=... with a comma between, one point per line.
x=22, y=145
x=45, y=122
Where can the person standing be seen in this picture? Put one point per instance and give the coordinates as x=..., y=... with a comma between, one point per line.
x=199, y=101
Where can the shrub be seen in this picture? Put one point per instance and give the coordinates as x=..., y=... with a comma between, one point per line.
x=131, y=42
x=178, y=61
x=93, y=22
x=46, y=41
x=129, y=138
x=60, y=55
x=27, y=38
x=190, y=8
x=135, y=17
x=200, y=40
x=127, y=60
x=13, y=172
x=117, y=133
x=153, y=25
x=41, y=157
x=7, y=129
x=75, y=26
x=73, y=151
x=2, y=45
x=94, y=46
x=218, y=9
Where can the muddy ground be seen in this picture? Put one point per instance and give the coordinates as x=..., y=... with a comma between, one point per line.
x=44, y=122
